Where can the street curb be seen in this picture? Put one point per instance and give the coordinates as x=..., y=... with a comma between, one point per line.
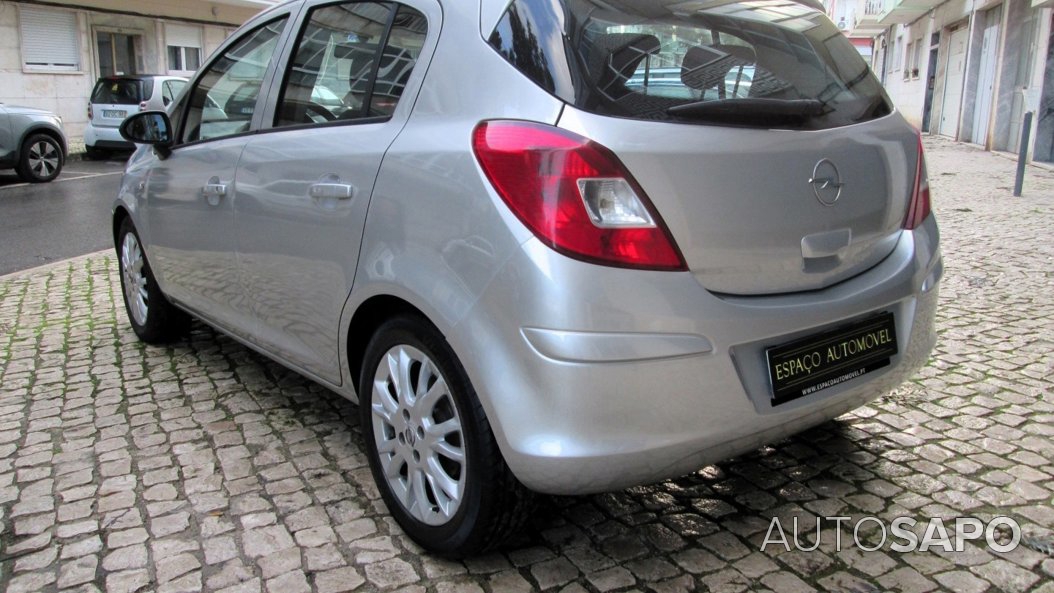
x=55, y=264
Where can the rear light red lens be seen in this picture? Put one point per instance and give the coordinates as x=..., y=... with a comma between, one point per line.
x=89, y=111
x=536, y=169
x=919, y=208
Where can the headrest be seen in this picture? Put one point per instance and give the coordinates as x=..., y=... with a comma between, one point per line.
x=704, y=67
x=616, y=56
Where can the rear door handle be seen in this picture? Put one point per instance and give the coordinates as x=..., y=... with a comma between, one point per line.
x=337, y=191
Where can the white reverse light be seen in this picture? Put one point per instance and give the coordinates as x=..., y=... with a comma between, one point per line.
x=611, y=202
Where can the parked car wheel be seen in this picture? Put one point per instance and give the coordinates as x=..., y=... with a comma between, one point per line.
x=41, y=159
x=154, y=319
x=430, y=445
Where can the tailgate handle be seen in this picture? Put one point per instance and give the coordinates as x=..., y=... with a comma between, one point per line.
x=826, y=244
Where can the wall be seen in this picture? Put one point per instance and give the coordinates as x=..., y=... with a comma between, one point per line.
x=909, y=95
x=66, y=93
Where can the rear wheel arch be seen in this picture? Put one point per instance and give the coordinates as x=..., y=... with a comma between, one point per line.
x=369, y=316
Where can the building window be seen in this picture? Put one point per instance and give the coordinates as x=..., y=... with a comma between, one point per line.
x=49, y=40
x=916, y=59
x=184, y=48
x=186, y=59
x=898, y=53
x=907, y=59
x=118, y=53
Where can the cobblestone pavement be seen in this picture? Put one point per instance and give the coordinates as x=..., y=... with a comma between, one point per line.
x=204, y=466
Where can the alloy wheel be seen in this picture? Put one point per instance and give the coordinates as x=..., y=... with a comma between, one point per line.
x=132, y=263
x=419, y=436
x=43, y=159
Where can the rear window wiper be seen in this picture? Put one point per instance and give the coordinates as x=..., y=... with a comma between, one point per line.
x=738, y=109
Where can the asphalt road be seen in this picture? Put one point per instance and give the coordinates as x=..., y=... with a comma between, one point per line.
x=41, y=223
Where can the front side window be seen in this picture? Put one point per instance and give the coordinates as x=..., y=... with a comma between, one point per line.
x=756, y=63
x=352, y=61
x=224, y=99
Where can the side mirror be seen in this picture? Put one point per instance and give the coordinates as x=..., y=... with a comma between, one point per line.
x=148, y=127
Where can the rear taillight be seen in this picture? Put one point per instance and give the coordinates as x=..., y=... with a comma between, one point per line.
x=89, y=112
x=574, y=195
x=919, y=208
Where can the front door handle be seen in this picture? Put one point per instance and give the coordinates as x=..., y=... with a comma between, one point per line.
x=214, y=190
x=337, y=191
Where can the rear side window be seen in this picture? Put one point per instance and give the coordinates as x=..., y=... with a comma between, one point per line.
x=119, y=91
x=170, y=90
x=757, y=63
x=352, y=61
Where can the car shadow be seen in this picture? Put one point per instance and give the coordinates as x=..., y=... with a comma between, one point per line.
x=719, y=514
x=9, y=178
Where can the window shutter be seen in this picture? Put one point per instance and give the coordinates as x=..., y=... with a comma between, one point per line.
x=182, y=35
x=49, y=39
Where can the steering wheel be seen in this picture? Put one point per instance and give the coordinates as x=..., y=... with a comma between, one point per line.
x=326, y=114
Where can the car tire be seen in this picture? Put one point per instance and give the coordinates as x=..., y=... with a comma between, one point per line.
x=154, y=319
x=411, y=383
x=41, y=159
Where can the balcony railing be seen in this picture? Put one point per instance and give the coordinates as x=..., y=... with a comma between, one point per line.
x=874, y=7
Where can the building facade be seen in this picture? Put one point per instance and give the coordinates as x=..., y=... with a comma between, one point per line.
x=965, y=69
x=51, y=53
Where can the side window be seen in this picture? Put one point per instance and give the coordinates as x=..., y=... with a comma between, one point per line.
x=352, y=61
x=404, y=45
x=224, y=99
x=170, y=90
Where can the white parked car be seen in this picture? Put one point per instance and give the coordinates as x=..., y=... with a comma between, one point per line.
x=116, y=97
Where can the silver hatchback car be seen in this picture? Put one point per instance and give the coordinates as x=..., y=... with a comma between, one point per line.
x=532, y=268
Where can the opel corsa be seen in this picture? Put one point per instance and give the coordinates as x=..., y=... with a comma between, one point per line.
x=560, y=246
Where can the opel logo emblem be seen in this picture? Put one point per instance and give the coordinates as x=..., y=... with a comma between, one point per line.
x=826, y=182
x=410, y=436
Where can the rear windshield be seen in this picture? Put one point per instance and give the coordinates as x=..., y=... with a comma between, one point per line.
x=757, y=63
x=121, y=91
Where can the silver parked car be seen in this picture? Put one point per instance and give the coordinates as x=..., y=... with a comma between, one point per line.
x=530, y=273
x=32, y=142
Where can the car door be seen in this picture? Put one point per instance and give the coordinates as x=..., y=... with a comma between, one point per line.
x=7, y=141
x=189, y=206
x=305, y=181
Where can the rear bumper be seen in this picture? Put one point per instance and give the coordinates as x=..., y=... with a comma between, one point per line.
x=597, y=378
x=105, y=138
